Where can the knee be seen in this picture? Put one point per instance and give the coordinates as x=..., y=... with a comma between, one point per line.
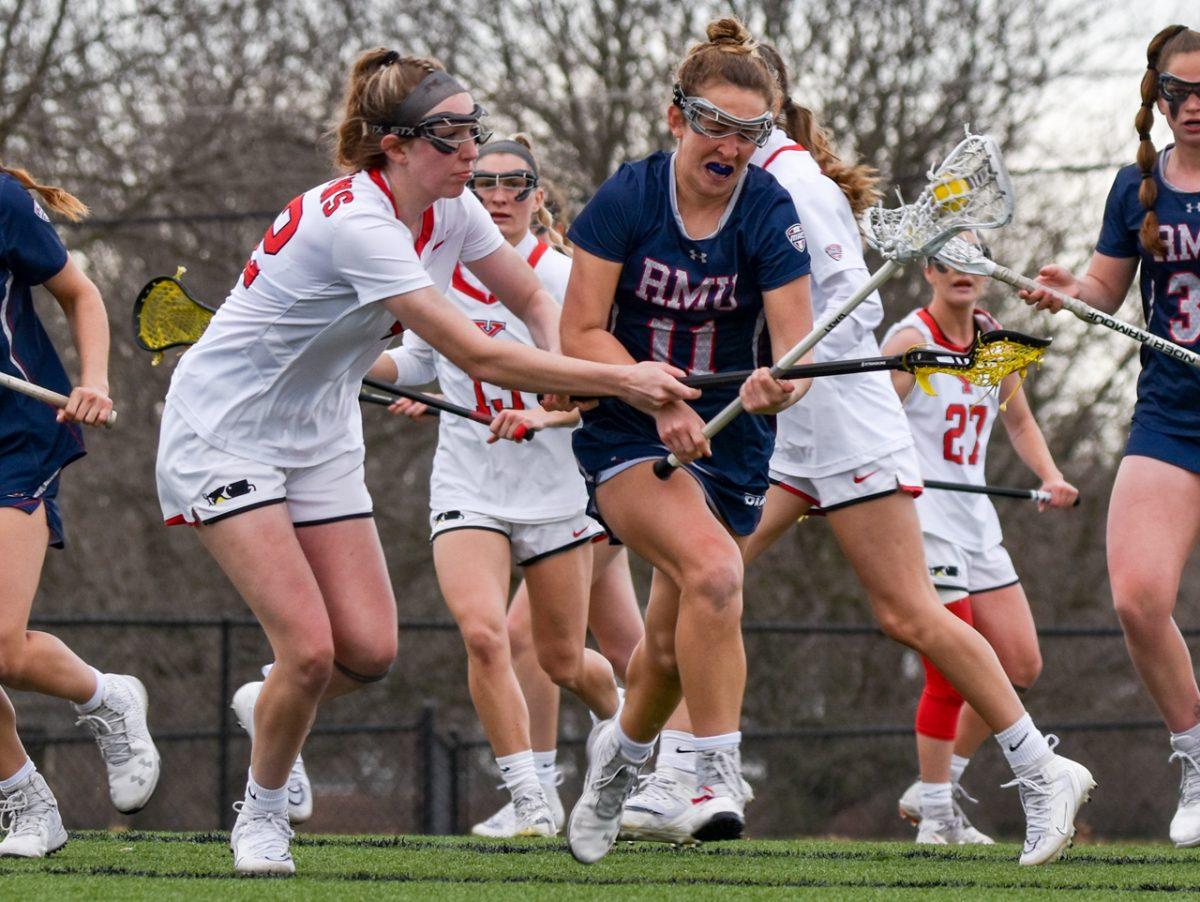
x=713, y=589
x=1141, y=604
x=910, y=631
x=308, y=669
x=487, y=644
x=369, y=662
x=12, y=659
x=658, y=652
x=1024, y=671
x=561, y=663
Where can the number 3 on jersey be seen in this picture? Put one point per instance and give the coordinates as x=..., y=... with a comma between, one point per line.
x=959, y=415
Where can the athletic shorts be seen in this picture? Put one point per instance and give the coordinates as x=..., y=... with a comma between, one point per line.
x=531, y=542
x=958, y=572
x=30, y=501
x=1182, y=451
x=199, y=483
x=896, y=472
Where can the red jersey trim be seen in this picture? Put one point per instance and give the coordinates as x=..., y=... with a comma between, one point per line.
x=786, y=147
x=537, y=253
x=377, y=177
x=983, y=320
x=460, y=283
x=427, y=221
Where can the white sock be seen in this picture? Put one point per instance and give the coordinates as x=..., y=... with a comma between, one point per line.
x=936, y=802
x=722, y=741
x=97, y=697
x=957, y=765
x=546, y=765
x=27, y=770
x=631, y=749
x=517, y=769
x=1186, y=741
x=274, y=801
x=1023, y=745
x=677, y=749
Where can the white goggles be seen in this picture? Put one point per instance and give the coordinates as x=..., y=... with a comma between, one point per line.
x=710, y=120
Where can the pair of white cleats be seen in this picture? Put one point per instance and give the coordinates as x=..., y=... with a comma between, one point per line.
x=527, y=815
x=666, y=808
x=30, y=812
x=261, y=840
x=956, y=830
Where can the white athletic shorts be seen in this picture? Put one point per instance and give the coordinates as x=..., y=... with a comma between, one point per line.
x=898, y=471
x=198, y=483
x=958, y=572
x=531, y=542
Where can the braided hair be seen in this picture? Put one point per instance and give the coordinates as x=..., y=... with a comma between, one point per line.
x=59, y=200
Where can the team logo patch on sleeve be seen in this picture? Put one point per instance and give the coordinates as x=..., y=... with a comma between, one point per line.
x=795, y=234
x=834, y=251
x=41, y=214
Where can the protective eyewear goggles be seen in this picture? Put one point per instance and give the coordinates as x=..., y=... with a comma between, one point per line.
x=711, y=121
x=1176, y=90
x=518, y=182
x=944, y=268
x=445, y=131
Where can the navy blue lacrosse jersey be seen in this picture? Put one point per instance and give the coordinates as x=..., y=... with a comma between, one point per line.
x=693, y=302
x=1168, y=390
x=33, y=447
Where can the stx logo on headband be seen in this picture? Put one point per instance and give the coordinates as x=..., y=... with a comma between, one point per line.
x=671, y=288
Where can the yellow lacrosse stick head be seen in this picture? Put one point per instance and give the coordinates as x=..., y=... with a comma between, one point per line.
x=166, y=316
x=994, y=356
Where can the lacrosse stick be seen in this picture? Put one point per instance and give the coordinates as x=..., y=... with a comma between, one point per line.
x=967, y=257
x=969, y=190
x=992, y=357
x=522, y=434
x=53, y=398
x=1000, y=491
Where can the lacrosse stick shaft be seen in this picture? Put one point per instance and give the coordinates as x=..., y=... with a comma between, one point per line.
x=1090, y=314
x=441, y=404
x=53, y=398
x=663, y=468
x=1000, y=491
x=814, y=370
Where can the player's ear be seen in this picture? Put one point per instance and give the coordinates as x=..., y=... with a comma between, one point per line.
x=395, y=147
x=675, y=121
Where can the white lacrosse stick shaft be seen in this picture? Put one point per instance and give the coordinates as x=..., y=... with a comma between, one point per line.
x=52, y=398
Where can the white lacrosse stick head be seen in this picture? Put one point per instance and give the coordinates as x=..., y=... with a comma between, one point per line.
x=964, y=256
x=971, y=189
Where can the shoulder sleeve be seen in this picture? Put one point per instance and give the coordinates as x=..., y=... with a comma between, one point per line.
x=1122, y=216
x=374, y=253
x=605, y=227
x=482, y=234
x=780, y=249
x=414, y=359
x=32, y=248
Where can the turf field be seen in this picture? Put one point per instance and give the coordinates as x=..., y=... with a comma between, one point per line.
x=130, y=866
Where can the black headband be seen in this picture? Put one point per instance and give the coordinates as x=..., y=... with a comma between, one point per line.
x=516, y=148
x=429, y=92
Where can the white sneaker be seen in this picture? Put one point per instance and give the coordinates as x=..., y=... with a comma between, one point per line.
x=910, y=809
x=610, y=779
x=261, y=842
x=934, y=831
x=664, y=809
x=503, y=824
x=30, y=815
x=1185, y=825
x=532, y=815
x=300, y=797
x=119, y=728
x=1051, y=798
x=722, y=795
x=910, y=802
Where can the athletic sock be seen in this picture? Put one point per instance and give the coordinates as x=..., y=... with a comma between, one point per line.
x=274, y=801
x=677, y=749
x=1023, y=745
x=546, y=765
x=936, y=801
x=632, y=750
x=26, y=771
x=517, y=769
x=1186, y=741
x=721, y=741
x=958, y=764
x=97, y=697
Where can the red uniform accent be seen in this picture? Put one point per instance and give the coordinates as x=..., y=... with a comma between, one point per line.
x=937, y=711
x=771, y=158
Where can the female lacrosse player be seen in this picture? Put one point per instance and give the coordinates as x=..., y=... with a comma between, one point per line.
x=493, y=502
x=261, y=439
x=846, y=453
x=686, y=257
x=971, y=570
x=36, y=443
x=1152, y=218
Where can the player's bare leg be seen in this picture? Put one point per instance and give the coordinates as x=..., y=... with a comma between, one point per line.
x=613, y=615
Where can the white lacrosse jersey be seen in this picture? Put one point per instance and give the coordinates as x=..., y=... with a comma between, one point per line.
x=952, y=429
x=524, y=482
x=276, y=376
x=843, y=422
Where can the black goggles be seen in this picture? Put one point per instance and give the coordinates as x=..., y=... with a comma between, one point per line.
x=944, y=268
x=445, y=131
x=1173, y=89
x=518, y=182
x=709, y=120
